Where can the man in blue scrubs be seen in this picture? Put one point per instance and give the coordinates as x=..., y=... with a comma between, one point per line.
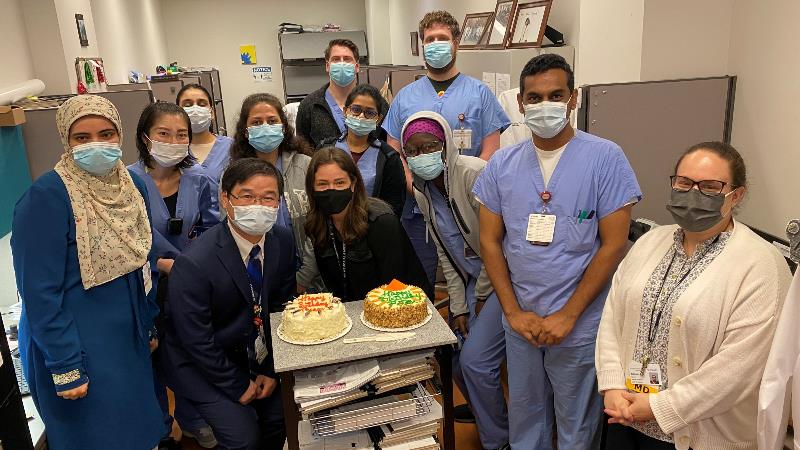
x=472, y=111
x=554, y=220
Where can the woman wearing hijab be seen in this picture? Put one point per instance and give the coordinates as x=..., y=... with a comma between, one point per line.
x=80, y=242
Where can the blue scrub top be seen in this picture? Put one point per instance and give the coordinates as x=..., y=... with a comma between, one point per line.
x=367, y=164
x=467, y=96
x=284, y=218
x=194, y=203
x=338, y=114
x=451, y=236
x=592, y=175
x=217, y=159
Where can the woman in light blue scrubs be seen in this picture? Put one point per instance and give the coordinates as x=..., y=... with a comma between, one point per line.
x=380, y=165
x=211, y=151
x=180, y=196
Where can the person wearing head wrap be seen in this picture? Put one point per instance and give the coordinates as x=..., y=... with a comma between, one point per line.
x=442, y=185
x=81, y=240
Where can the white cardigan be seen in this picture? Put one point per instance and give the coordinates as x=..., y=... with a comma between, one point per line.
x=720, y=335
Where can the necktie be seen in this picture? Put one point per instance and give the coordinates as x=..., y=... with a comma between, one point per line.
x=255, y=271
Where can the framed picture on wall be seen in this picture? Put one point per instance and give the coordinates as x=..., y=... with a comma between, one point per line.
x=81, y=30
x=530, y=21
x=500, y=27
x=415, y=43
x=473, y=29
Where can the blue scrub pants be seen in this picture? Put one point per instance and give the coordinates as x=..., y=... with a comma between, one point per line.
x=480, y=357
x=547, y=383
x=414, y=224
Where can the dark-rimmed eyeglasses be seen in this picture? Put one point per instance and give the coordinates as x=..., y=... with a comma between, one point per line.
x=707, y=187
x=356, y=110
x=428, y=147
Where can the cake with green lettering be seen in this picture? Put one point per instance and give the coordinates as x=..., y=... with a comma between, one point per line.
x=396, y=305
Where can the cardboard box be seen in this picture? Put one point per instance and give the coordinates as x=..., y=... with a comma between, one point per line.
x=11, y=116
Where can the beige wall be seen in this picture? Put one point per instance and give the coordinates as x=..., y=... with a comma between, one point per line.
x=44, y=41
x=686, y=38
x=17, y=65
x=763, y=54
x=130, y=36
x=209, y=33
x=65, y=11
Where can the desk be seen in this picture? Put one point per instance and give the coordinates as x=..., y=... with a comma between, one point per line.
x=435, y=334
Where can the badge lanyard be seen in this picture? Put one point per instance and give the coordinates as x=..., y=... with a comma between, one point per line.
x=655, y=316
x=343, y=260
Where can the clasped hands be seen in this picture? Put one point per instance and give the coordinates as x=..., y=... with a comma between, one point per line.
x=550, y=330
x=625, y=408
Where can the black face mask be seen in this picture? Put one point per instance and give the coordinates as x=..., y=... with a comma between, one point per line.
x=695, y=211
x=333, y=201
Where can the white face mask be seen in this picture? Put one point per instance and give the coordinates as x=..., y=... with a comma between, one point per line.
x=255, y=220
x=168, y=155
x=546, y=119
x=200, y=116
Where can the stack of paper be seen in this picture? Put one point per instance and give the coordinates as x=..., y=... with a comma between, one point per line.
x=333, y=381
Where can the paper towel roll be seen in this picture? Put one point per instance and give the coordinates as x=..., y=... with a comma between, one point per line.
x=11, y=94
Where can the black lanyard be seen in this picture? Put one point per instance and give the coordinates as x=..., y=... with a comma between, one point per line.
x=655, y=317
x=342, y=261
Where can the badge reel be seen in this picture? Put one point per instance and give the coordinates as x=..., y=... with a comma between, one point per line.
x=462, y=137
x=542, y=227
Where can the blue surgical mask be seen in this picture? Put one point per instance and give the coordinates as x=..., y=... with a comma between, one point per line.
x=427, y=166
x=265, y=138
x=546, y=119
x=359, y=126
x=343, y=73
x=438, y=54
x=97, y=158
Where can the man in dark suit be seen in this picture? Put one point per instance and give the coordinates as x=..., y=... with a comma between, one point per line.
x=218, y=351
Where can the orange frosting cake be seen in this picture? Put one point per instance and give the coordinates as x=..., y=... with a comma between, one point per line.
x=396, y=305
x=313, y=317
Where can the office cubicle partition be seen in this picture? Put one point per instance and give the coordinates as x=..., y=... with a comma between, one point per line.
x=654, y=122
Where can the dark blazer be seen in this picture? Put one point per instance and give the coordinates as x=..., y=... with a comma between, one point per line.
x=384, y=254
x=390, y=177
x=315, y=121
x=210, y=313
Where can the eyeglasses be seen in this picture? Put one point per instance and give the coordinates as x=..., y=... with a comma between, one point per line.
x=428, y=147
x=252, y=199
x=356, y=110
x=707, y=187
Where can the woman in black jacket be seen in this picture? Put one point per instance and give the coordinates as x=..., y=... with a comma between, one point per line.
x=379, y=164
x=359, y=243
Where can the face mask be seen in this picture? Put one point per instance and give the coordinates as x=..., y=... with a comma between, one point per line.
x=427, y=166
x=361, y=127
x=97, y=158
x=694, y=211
x=265, y=138
x=793, y=233
x=343, y=73
x=333, y=201
x=200, y=116
x=255, y=220
x=546, y=119
x=438, y=54
x=168, y=155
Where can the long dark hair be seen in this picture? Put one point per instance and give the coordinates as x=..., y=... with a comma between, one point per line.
x=241, y=147
x=355, y=223
x=151, y=113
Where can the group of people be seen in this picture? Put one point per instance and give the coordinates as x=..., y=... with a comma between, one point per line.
x=163, y=273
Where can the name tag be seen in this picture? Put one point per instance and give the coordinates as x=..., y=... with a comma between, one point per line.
x=147, y=275
x=261, y=346
x=462, y=138
x=541, y=228
x=647, y=382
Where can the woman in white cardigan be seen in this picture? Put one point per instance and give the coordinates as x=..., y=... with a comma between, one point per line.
x=689, y=319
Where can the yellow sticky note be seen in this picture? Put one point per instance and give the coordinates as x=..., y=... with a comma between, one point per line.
x=247, y=53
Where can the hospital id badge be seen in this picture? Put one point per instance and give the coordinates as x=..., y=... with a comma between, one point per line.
x=647, y=382
x=261, y=346
x=148, y=278
x=462, y=138
x=541, y=228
